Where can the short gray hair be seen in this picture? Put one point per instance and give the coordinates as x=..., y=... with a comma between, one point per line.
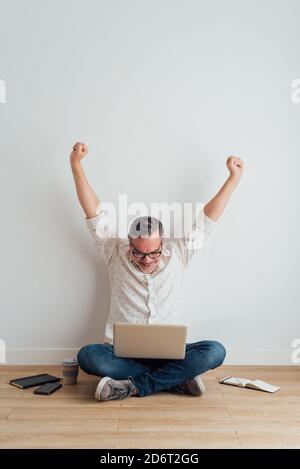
x=143, y=227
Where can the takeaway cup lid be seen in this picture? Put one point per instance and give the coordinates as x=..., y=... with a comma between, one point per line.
x=69, y=361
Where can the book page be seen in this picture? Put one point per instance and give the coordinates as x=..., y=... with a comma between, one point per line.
x=253, y=384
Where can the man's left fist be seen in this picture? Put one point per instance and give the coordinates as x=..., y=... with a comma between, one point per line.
x=235, y=166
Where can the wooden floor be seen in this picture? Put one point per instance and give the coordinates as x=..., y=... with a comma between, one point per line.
x=224, y=417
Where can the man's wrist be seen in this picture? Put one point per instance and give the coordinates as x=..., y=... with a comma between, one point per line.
x=234, y=179
x=75, y=164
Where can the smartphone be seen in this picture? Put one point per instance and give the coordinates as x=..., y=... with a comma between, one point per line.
x=47, y=388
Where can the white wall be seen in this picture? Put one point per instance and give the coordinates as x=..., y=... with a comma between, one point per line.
x=174, y=87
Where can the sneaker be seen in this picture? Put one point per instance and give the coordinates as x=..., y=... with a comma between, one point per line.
x=194, y=386
x=108, y=389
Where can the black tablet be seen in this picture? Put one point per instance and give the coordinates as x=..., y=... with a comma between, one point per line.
x=36, y=380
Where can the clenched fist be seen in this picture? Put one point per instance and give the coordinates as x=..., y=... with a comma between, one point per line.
x=235, y=166
x=79, y=151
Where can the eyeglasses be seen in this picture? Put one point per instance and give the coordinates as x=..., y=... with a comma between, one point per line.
x=141, y=255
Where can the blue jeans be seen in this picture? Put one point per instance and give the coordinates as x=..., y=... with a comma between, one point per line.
x=152, y=375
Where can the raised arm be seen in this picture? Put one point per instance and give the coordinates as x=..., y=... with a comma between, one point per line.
x=216, y=206
x=86, y=196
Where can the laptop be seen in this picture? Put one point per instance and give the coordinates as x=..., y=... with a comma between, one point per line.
x=149, y=340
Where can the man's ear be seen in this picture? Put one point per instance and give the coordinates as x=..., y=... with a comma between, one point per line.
x=130, y=241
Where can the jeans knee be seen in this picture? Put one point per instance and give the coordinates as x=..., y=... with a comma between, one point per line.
x=82, y=356
x=87, y=356
x=217, y=353
x=93, y=357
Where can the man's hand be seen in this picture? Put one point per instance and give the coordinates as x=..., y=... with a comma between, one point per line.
x=215, y=207
x=86, y=196
x=80, y=150
x=235, y=166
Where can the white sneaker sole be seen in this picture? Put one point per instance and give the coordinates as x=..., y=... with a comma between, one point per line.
x=100, y=387
x=200, y=384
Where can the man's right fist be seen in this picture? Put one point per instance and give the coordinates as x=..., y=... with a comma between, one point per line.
x=79, y=151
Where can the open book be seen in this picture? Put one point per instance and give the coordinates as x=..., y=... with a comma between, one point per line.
x=248, y=383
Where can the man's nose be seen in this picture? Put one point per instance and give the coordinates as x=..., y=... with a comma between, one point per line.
x=147, y=260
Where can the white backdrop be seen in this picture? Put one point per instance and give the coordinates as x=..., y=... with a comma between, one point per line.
x=163, y=92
